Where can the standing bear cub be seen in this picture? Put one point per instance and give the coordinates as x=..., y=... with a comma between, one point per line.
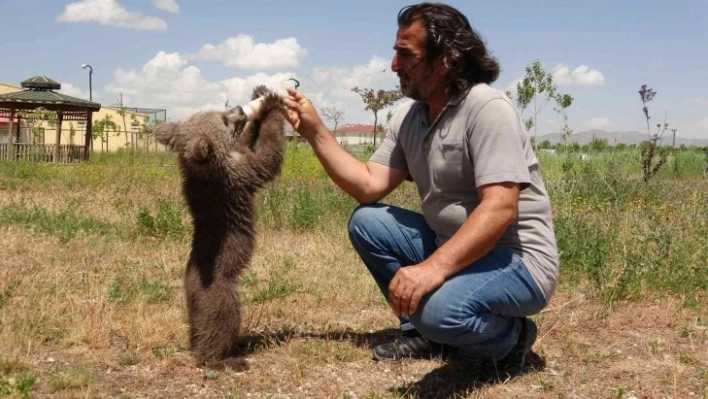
x=223, y=162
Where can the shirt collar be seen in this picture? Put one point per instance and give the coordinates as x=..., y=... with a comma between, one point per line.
x=458, y=99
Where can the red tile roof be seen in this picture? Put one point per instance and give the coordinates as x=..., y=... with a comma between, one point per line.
x=355, y=128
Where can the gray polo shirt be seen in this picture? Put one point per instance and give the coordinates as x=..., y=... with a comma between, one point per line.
x=477, y=139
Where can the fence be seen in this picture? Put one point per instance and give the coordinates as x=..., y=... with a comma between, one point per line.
x=133, y=141
x=41, y=153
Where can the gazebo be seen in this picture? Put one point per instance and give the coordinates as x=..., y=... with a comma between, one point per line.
x=39, y=93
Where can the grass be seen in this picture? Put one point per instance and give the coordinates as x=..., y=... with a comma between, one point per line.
x=93, y=260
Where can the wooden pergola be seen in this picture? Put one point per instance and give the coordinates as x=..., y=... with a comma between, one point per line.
x=39, y=94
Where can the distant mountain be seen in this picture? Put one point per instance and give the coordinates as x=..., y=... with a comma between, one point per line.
x=614, y=138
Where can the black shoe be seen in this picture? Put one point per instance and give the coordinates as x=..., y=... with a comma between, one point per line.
x=523, y=346
x=407, y=348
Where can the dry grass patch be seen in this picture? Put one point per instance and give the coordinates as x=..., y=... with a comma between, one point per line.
x=61, y=324
x=91, y=300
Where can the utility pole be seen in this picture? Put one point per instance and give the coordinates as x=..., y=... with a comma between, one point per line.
x=673, y=141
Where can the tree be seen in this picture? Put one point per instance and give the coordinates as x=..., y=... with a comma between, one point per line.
x=377, y=100
x=103, y=127
x=536, y=87
x=72, y=133
x=35, y=120
x=121, y=111
x=598, y=144
x=142, y=128
x=563, y=101
x=333, y=114
x=649, y=167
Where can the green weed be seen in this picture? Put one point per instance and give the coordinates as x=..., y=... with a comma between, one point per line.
x=124, y=291
x=278, y=287
x=20, y=385
x=72, y=378
x=65, y=225
x=6, y=292
x=165, y=223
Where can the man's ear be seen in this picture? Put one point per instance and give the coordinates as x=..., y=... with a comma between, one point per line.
x=166, y=134
x=445, y=65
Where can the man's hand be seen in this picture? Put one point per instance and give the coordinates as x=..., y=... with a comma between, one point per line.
x=410, y=284
x=476, y=237
x=302, y=115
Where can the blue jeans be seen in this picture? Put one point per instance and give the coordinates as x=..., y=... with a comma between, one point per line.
x=479, y=310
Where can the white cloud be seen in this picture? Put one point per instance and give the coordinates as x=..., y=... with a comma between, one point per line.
x=700, y=101
x=167, y=5
x=582, y=75
x=110, y=13
x=599, y=123
x=329, y=85
x=169, y=81
x=71, y=90
x=242, y=52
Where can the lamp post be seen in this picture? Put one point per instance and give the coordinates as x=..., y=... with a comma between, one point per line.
x=90, y=73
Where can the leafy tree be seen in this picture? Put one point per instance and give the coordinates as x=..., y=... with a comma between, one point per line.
x=649, y=166
x=536, y=89
x=142, y=128
x=333, y=114
x=598, y=144
x=573, y=147
x=72, y=132
x=103, y=127
x=376, y=100
x=563, y=102
x=122, y=111
x=35, y=120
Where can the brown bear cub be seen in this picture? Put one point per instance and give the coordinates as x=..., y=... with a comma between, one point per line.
x=223, y=162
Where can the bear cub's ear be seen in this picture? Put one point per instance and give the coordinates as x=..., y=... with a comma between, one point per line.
x=166, y=134
x=197, y=149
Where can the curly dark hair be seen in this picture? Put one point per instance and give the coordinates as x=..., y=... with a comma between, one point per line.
x=448, y=33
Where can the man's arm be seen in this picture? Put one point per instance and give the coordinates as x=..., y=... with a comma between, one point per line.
x=366, y=182
x=475, y=238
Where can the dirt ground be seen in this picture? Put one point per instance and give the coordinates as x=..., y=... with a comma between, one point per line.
x=62, y=325
x=635, y=350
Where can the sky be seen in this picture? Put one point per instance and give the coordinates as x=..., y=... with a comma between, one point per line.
x=189, y=55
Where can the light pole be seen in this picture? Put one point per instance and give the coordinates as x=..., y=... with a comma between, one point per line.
x=90, y=73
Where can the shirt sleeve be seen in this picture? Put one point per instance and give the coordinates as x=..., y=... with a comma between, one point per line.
x=390, y=153
x=498, y=145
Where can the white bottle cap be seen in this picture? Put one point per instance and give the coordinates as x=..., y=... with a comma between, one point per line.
x=250, y=115
x=253, y=108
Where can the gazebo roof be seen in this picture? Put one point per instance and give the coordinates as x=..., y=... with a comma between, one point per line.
x=40, y=82
x=39, y=93
x=39, y=98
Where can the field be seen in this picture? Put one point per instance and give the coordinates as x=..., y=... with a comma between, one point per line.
x=91, y=304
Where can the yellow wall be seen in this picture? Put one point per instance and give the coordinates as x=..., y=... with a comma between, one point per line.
x=111, y=141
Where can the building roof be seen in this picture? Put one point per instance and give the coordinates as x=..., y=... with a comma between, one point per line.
x=355, y=128
x=6, y=87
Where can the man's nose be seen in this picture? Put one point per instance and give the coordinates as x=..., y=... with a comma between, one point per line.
x=395, y=66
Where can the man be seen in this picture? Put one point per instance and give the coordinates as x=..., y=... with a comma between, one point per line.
x=482, y=257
